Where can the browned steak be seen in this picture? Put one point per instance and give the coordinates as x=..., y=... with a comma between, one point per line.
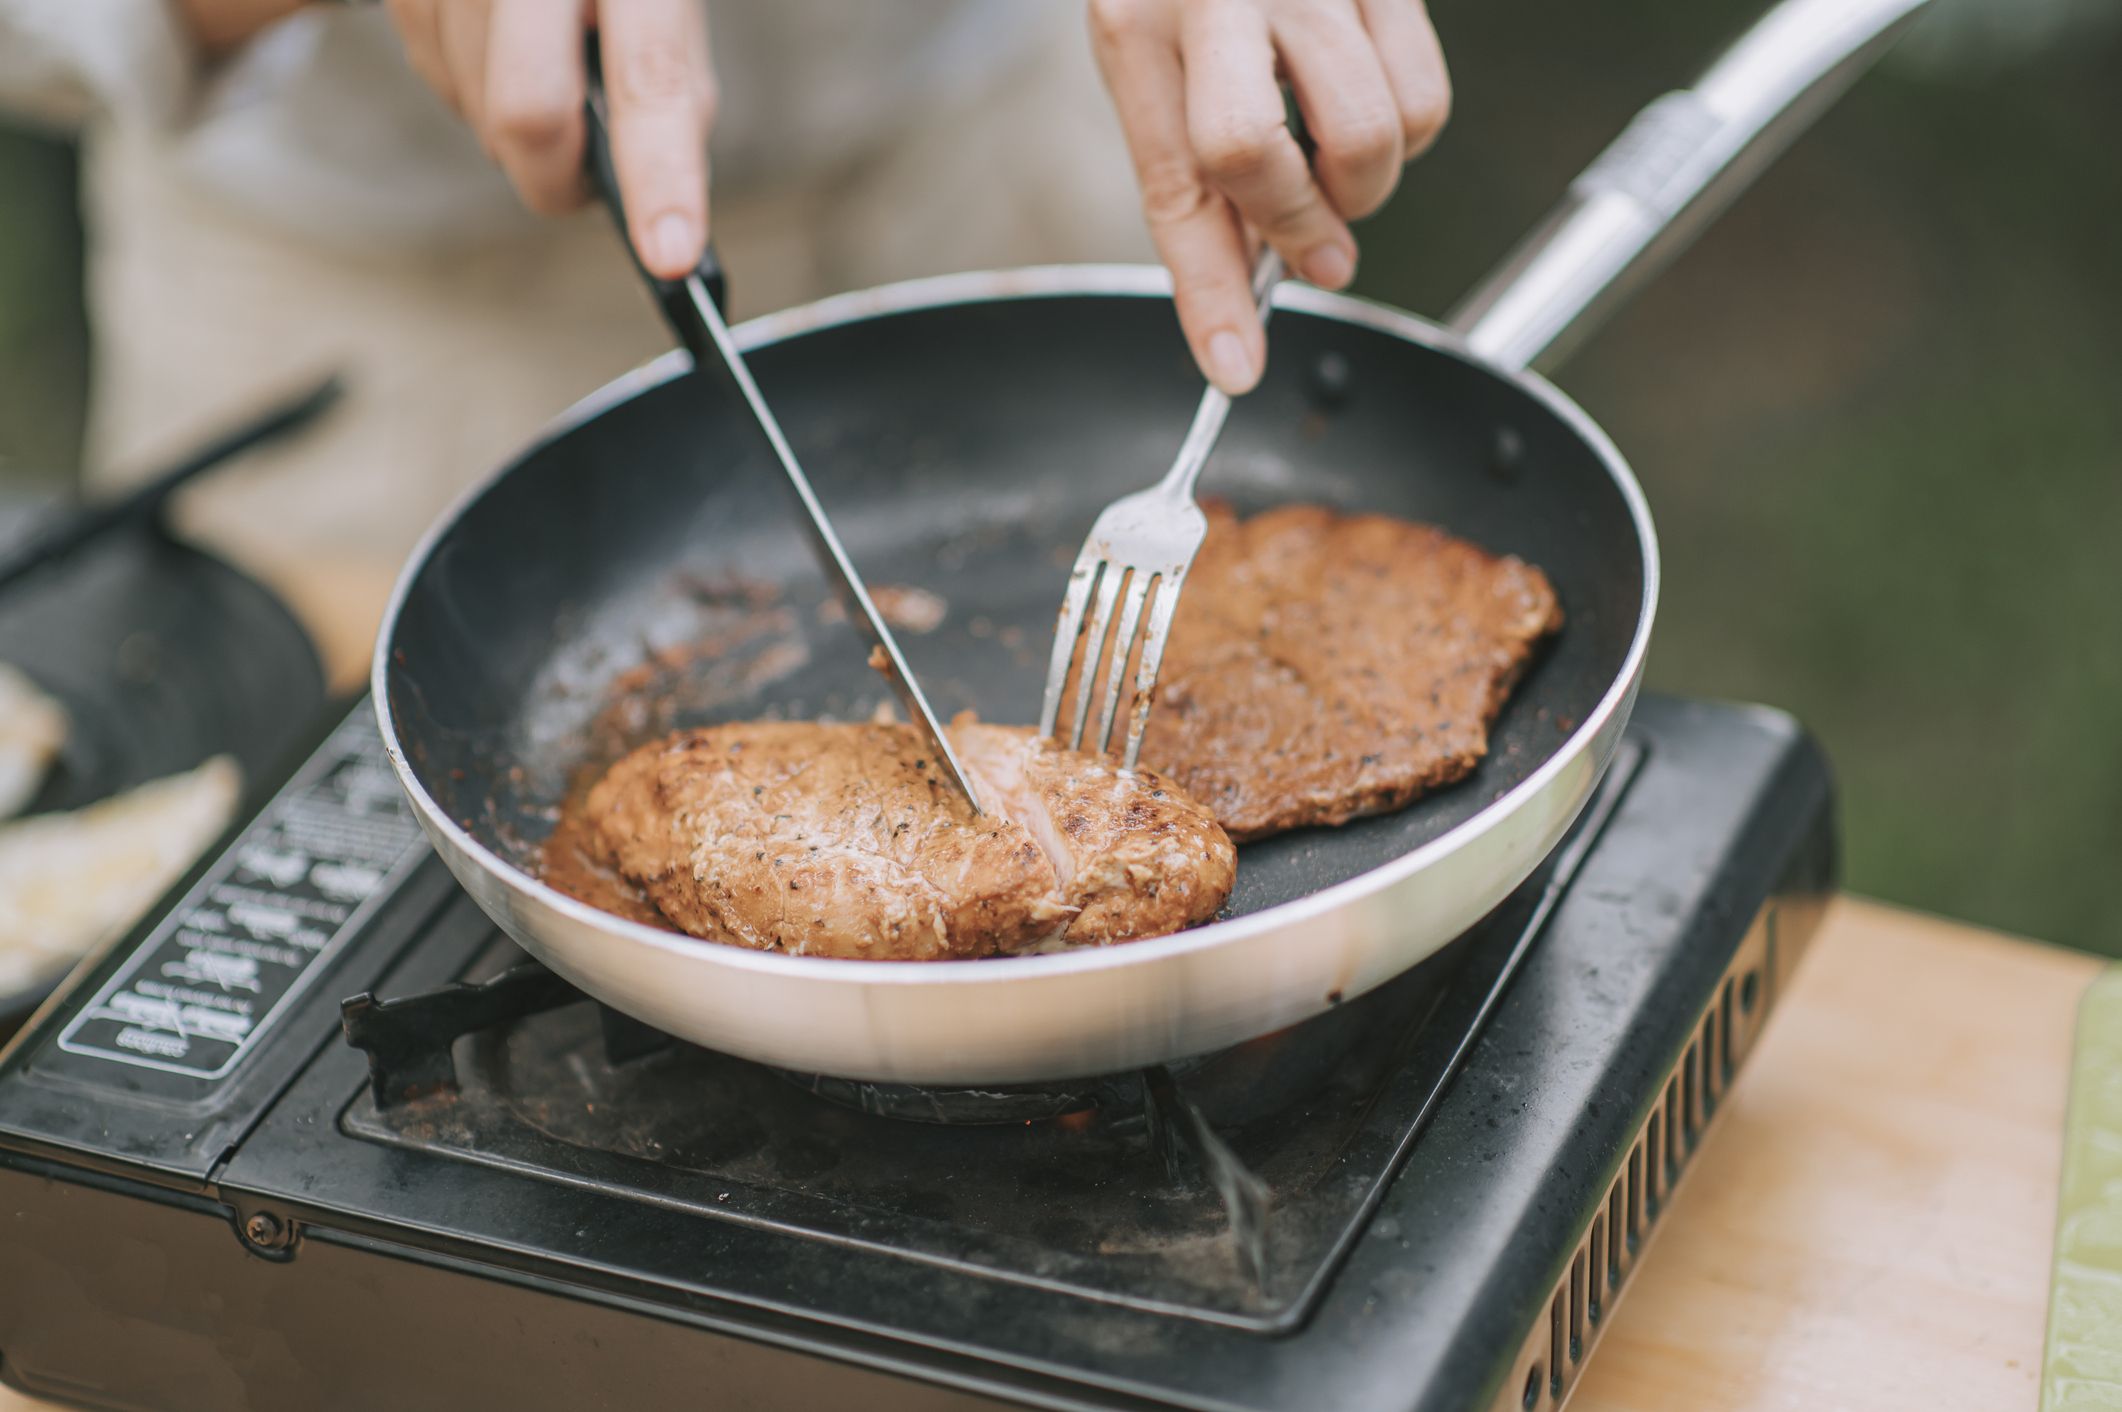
x=1132, y=855
x=1326, y=666
x=842, y=840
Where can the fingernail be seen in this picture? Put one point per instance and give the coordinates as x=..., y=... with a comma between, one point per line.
x=1329, y=266
x=670, y=242
x=1229, y=365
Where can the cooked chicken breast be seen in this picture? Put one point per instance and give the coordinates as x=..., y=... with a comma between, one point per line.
x=32, y=729
x=69, y=881
x=844, y=840
x=1326, y=666
x=1132, y=855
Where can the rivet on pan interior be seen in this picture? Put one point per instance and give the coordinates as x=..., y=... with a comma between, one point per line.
x=1506, y=455
x=1331, y=378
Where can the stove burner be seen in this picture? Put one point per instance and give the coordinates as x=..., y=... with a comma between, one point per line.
x=1232, y=1087
x=998, y=1103
x=411, y=1041
x=1178, y=1130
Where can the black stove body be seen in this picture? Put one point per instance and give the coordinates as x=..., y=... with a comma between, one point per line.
x=1429, y=1198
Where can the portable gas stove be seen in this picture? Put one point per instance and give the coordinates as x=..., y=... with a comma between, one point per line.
x=320, y=1136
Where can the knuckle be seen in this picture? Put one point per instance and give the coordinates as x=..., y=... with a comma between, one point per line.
x=1299, y=220
x=1366, y=139
x=548, y=198
x=1360, y=162
x=530, y=124
x=1235, y=150
x=1425, y=117
x=656, y=76
x=1172, y=193
x=1114, y=22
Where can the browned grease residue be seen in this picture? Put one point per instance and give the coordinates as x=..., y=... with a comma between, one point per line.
x=571, y=861
x=751, y=644
x=902, y=606
x=646, y=700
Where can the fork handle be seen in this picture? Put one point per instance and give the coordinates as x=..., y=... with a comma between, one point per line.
x=1209, y=417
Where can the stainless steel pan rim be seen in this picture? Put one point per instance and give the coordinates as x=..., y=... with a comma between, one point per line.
x=1099, y=1010
x=1599, y=728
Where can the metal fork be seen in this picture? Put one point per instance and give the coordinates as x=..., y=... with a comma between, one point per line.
x=1136, y=558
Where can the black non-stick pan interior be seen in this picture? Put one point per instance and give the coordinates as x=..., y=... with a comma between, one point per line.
x=962, y=449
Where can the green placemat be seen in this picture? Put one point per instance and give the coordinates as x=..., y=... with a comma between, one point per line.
x=2082, y=1365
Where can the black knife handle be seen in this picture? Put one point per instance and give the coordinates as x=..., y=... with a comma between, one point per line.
x=670, y=295
x=68, y=532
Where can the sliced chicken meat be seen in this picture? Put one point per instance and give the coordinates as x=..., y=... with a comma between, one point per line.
x=1132, y=855
x=70, y=881
x=32, y=729
x=844, y=840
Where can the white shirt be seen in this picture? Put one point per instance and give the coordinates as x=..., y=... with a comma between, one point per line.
x=320, y=127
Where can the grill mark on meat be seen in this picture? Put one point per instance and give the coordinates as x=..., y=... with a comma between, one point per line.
x=841, y=840
x=1326, y=666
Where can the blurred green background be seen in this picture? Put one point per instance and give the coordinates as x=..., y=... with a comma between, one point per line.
x=43, y=329
x=1878, y=409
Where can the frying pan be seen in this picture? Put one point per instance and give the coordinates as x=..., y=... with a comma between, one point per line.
x=964, y=432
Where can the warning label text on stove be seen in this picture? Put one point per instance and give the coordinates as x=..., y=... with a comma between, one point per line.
x=208, y=982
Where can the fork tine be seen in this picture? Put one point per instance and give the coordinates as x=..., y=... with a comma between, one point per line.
x=1160, y=631
x=1094, y=649
x=1067, y=629
x=1138, y=590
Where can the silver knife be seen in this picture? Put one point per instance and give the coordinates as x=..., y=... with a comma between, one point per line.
x=689, y=306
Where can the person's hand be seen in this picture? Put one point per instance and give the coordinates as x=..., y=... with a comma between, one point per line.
x=1196, y=86
x=513, y=70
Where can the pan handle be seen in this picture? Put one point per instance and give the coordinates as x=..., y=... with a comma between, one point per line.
x=1669, y=173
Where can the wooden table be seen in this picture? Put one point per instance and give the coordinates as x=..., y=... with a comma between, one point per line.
x=1869, y=1227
